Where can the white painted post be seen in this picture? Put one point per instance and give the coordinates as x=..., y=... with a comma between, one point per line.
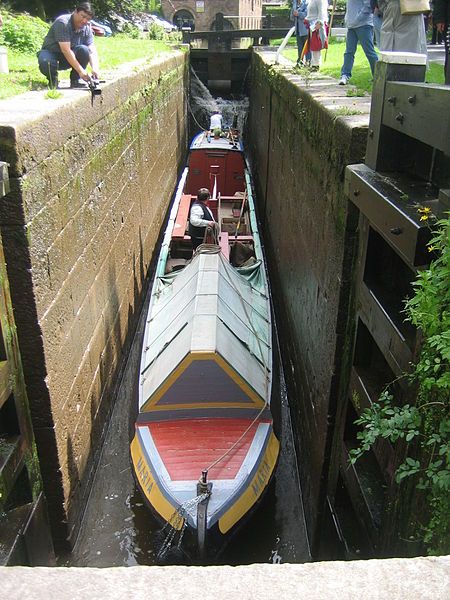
x=3, y=60
x=283, y=43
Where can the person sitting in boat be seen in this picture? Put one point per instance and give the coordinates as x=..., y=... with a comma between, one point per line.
x=215, y=123
x=200, y=218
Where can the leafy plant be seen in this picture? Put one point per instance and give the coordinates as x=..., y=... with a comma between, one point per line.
x=425, y=427
x=23, y=33
x=131, y=31
x=157, y=32
x=125, y=7
x=304, y=72
x=346, y=111
x=355, y=92
x=53, y=94
x=281, y=13
x=47, y=9
x=341, y=5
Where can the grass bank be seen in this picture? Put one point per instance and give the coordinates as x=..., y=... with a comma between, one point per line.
x=361, y=75
x=24, y=74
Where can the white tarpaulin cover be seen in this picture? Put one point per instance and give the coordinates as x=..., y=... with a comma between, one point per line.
x=209, y=306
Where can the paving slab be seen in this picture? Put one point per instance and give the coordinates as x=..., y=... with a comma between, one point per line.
x=416, y=578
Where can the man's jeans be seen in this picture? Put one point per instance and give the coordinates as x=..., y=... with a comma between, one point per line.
x=363, y=35
x=52, y=62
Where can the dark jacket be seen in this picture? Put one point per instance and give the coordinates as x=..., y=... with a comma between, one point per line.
x=199, y=232
x=441, y=11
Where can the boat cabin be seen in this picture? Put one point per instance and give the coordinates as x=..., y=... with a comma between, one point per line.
x=217, y=164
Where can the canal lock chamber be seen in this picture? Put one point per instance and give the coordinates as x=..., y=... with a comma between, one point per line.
x=316, y=248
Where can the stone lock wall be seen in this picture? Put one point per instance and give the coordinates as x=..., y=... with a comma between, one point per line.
x=90, y=186
x=298, y=157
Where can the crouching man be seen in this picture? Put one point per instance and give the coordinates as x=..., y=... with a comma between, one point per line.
x=69, y=43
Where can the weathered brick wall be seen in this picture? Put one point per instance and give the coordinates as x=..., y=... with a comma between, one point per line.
x=90, y=189
x=299, y=148
x=251, y=11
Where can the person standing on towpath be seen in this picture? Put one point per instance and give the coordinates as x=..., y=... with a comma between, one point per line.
x=359, y=22
x=69, y=43
x=401, y=33
x=298, y=14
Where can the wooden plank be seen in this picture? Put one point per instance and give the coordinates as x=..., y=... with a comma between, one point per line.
x=5, y=382
x=389, y=203
x=419, y=111
x=244, y=238
x=224, y=245
x=179, y=228
x=237, y=199
x=388, y=338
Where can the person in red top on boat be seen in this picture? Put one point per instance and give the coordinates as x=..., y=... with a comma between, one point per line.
x=200, y=218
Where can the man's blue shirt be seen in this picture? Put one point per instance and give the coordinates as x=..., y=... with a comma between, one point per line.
x=302, y=7
x=359, y=13
x=62, y=30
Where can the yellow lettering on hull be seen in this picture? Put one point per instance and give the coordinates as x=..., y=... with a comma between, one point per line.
x=149, y=485
x=255, y=489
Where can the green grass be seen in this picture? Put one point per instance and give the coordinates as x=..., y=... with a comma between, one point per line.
x=24, y=74
x=361, y=75
x=346, y=111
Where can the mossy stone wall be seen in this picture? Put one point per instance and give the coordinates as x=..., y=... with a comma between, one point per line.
x=298, y=156
x=91, y=186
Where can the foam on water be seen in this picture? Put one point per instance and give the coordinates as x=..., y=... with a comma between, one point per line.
x=202, y=104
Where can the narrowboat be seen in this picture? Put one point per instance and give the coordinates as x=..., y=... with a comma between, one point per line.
x=204, y=448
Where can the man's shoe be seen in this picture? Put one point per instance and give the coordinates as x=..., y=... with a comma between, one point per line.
x=344, y=80
x=77, y=84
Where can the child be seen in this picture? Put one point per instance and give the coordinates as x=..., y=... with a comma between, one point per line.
x=317, y=20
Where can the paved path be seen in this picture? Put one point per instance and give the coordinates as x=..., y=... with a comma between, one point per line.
x=394, y=579
x=436, y=53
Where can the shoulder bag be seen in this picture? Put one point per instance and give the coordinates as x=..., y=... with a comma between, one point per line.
x=414, y=7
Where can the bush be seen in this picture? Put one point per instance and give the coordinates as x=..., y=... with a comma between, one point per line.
x=280, y=15
x=103, y=8
x=131, y=31
x=23, y=33
x=156, y=32
x=341, y=5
